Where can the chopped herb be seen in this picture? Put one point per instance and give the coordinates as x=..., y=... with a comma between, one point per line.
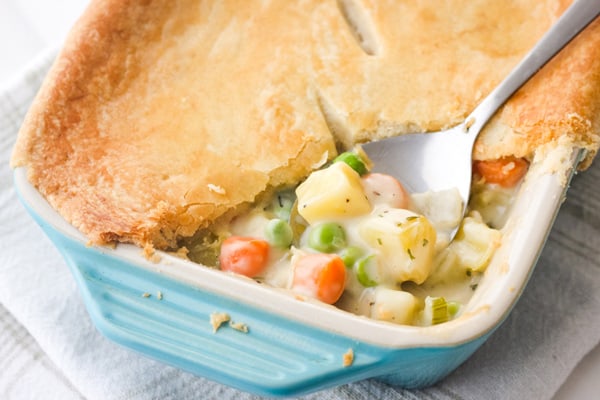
x=411, y=218
x=425, y=242
x=473, y=286
x=410, y=254
x=469, y=272
x=379, y=241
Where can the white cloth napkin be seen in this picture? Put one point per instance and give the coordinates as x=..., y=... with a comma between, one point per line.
x=50, y=349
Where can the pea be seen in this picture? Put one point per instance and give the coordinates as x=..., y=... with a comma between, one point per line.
x=353, y=160
x=366, y=271
x=350, y=254
x=327, y=237
x=453, y=308
x=279, y=233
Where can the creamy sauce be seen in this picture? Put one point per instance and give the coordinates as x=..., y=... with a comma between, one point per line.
x=395, y=246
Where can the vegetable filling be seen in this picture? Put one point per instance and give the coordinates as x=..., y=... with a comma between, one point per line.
x=359, y=240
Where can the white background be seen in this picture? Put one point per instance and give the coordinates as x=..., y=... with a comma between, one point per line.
x=27, y=27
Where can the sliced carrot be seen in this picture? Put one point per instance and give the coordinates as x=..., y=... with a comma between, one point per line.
x=244, y=255
x=322, y=276
x=506, y=171
x=384, y=188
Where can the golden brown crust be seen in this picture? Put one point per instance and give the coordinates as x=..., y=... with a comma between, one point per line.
x=128, y=137
x=159, y=117
x=562, y=99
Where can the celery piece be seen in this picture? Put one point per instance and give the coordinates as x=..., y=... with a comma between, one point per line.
x=435, y=311
x=353, y=160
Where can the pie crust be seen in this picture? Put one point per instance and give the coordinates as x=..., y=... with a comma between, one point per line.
x=161, y=117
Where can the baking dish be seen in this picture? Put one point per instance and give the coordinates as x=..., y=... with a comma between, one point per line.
x=162, y=308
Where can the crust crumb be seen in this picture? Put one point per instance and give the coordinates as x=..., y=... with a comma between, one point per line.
x=150, y=254
x=217, y=319
x=348, y=358
x=239, y=326
x=182, y=252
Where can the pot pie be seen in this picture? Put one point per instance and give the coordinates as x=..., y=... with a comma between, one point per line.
x=215, y=128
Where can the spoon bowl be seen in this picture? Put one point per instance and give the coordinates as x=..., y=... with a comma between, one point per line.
x=438, y=161
x=426, y=161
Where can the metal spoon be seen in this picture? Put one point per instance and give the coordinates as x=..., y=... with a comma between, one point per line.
x=442, y=160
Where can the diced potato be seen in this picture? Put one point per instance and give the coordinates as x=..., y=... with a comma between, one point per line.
x=404, y=242
x=475, y=244
x=330, y=193
x=391, y=305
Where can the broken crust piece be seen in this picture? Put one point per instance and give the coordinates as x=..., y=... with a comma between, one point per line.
x=150, y=107
x=348, y=358
x=560, y=104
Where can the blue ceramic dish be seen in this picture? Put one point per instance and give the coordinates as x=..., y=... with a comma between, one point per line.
x=162, y=309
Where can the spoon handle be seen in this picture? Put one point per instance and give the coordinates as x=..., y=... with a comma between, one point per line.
x=580, y=14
